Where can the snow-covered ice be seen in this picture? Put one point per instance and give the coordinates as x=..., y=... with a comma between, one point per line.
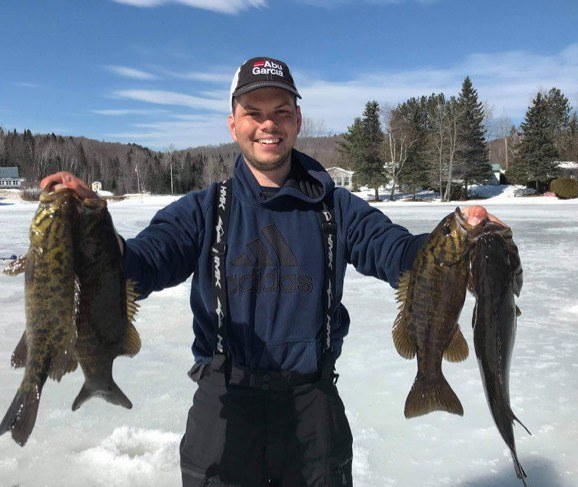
x=105, y=445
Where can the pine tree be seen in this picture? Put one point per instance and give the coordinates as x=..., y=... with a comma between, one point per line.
x=558, y=111
x=536, y=155
x=471, y=153
x=363, y=147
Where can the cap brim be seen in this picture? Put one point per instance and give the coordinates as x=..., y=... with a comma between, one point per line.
x=264, y=84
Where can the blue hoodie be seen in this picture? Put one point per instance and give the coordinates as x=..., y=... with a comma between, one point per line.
x=274, y=265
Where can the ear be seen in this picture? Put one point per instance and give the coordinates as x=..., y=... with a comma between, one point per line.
x=299, y=119
x=231, y=123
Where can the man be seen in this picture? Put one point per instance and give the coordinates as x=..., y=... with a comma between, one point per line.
x=268, y=256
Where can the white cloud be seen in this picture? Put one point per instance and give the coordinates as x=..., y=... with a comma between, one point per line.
x=131, y=72
x=114, y=112
x=162, y=97
x=185, y=132
x=507, y=81
x=27, y=84
x=219, y=6
x=209, y=77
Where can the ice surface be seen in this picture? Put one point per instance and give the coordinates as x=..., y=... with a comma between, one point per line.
x=105, y=445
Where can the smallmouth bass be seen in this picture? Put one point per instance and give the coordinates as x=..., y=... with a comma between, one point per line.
x=431, y=298
x=47, y=346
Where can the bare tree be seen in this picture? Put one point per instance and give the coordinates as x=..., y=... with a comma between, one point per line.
x=399, y=139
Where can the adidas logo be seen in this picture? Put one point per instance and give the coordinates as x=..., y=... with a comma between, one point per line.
x=271, y=250
x=259, y=255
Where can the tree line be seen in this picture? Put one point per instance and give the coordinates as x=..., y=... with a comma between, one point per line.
x=429, y=142
x=121, y=168
x=440, y=142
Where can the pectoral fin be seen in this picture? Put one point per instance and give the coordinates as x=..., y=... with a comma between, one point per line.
x=16, y=267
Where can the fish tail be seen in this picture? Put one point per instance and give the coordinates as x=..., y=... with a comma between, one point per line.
x=110, y=392
x=518, y=468
x=21, y=415
x=426, y=396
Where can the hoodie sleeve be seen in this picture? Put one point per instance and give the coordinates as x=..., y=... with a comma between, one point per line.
x=165, y=253
x=373, y=244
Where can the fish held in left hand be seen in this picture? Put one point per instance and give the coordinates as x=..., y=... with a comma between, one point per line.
x=431, y=298
x=496, y=279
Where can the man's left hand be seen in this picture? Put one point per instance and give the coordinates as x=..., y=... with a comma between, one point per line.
x=476, y=214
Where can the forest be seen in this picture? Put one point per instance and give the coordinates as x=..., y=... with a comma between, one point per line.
x=442, y=142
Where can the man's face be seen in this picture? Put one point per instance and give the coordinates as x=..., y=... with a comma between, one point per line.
x=265, y=124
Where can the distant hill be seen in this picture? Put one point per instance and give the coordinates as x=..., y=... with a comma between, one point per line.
x=126, y=168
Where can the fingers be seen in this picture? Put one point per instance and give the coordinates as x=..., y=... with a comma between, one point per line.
x=62, y=180
x=475, y=214
x=497, y=220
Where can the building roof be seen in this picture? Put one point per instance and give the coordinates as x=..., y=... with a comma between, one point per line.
x=9, y=172
x=335, y=169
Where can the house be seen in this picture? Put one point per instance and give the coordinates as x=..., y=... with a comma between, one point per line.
x=498, y=173
x=9, y=178
x=568, y=169
x=343, y=178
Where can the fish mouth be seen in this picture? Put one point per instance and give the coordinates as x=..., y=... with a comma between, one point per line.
x=50, y=194
x=463, y=225
x=489, y=227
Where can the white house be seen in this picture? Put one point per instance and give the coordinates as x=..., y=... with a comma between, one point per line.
x=342, y=177
x=9, y=178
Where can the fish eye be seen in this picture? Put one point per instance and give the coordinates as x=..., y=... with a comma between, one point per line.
x=446, y=230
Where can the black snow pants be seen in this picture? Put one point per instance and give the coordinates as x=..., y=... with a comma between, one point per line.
x=257, y=428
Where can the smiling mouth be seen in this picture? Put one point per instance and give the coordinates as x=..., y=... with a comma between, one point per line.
x=270, y=141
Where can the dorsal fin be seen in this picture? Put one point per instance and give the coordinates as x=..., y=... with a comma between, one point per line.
x=132, y=341
x=402, y=340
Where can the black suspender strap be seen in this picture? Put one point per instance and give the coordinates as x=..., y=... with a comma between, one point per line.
x=219, y=251
x=329, y=241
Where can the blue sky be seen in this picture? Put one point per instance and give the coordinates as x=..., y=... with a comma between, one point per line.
x=157, y=72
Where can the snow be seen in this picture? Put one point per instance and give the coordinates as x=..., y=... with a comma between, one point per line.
x=105, y=445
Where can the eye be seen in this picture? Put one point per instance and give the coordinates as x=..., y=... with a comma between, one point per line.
x=446, y=231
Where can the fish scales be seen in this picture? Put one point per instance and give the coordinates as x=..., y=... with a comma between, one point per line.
x=431, y=298
x=49, y=339
x=496, y=278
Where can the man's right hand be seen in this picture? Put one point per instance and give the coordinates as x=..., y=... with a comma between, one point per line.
x=63, y=179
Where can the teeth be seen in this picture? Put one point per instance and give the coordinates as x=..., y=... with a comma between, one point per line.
x=269, y=141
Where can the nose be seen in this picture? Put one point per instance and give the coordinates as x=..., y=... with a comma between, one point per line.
x=269, y=124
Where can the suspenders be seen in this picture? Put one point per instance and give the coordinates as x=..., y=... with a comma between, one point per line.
x=219, y=251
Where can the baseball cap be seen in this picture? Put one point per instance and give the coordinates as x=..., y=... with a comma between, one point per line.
x=261, y=72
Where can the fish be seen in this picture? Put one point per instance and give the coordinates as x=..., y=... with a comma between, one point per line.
x=47, y=346
x=106, y=305
x=496, y=279
x=431, y=298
